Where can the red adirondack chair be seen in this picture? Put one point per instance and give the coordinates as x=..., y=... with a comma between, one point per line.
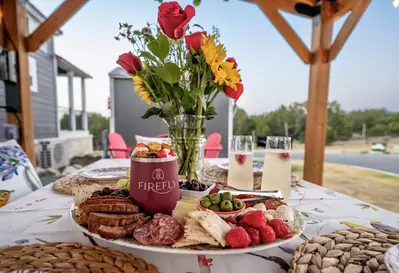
x=117, y=146
x=213, y=146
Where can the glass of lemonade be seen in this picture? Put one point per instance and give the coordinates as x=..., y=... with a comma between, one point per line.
x=277, y=166
x=240, y=174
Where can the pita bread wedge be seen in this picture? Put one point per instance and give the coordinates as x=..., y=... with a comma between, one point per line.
x=194, y=231
x=185, y=242
x=212, y=223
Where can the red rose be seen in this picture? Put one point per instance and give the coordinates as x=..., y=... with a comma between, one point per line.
x=232, y=60
x=194, y=41
x=129, y=62
x=234, y=94
x=173, y=19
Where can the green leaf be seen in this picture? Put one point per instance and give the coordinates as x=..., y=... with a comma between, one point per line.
x=168, y=109
x=179, y=92
x=149, y=37
x=149, y=56
x=210, y=113
x=159, y=47
x=153, y=111
x=188, y=101
x=201, y=96
x=169, y=73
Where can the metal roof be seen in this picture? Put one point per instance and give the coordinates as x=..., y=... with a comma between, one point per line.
x=64, y=66
x=119, y=73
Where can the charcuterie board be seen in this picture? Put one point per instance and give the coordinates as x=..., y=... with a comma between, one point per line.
x=196, y=249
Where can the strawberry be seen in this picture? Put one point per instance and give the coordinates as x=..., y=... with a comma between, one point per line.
x=243, y=224
x=172, y=153
x=267, y=234
x=230, y=220
x=241, y=159
x=254, y=235
x=254, y=218
x=162, y=154
x=285, y=156
x=280, y=228
x=238, y=238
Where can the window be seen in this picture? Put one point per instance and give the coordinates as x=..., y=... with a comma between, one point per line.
x=33, y=74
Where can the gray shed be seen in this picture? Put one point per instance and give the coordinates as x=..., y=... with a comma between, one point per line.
x=126, y=109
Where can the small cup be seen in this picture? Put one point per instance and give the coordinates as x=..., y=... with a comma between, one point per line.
x=154, y=184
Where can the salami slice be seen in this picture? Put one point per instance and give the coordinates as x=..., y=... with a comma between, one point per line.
x=142, y=234
x=166, y=230
x=273, y=204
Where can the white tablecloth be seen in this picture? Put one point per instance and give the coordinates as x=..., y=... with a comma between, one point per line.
x=42, y=216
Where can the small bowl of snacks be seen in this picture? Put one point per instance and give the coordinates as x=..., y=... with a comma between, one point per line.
x=194, y=188
x=223, y=204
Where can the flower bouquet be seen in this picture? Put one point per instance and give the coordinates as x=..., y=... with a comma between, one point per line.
x=181, y=72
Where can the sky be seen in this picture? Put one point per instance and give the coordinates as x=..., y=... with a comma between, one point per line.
x=364, y=75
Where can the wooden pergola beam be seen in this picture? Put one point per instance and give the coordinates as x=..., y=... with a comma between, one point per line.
x=271, y=11
x=350, y=23
x=49, y=27
x=16, y=28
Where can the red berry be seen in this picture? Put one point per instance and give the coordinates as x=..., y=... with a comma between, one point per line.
x=285, y=156
x=230, y=220
x=172, y=153
x=238, y=238
x=254, y=218
x=281, y=229
x=254, y=235
x=243, y=224
x=241, y=159
x=162, y=154
x=267, y=234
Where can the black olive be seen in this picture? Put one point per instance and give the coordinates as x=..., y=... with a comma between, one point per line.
x=203, y=187
x=106, y=191
x=121, y=195
x=114, y=194
x=125, y=192
x=196, y=186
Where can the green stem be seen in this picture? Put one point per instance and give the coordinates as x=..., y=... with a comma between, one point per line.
x=151, y=91
x=181, y=64
x=214, y=96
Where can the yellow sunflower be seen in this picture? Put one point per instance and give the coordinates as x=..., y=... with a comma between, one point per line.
x=139, y=86
x=222, y=70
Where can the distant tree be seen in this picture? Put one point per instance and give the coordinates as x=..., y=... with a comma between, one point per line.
x=97, y=123
x=330, y=136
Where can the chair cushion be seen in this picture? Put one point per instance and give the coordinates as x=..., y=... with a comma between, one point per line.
x=143, y=139
x=17, y=175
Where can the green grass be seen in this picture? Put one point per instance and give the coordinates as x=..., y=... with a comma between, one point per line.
x=296, y=168
x=385, y=176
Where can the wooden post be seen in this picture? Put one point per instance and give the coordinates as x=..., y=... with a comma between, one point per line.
x=316, y=119
x=15, y=23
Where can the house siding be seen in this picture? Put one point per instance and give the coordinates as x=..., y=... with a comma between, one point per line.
x=3, y=115
x=44, y=102
x=128, y=109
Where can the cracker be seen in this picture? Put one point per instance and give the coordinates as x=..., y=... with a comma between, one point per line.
x=154, y=146
x=194, y=231
x=213, y=224
x=185, y=242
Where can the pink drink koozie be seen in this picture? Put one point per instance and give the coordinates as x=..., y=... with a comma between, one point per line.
x=154, y=184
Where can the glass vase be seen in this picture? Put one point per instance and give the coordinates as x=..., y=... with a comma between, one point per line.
x=186, y=133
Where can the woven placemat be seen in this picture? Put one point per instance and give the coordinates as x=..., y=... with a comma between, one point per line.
x=214, y=174
x=71, y=257
x=64, y=184
x=349, y=251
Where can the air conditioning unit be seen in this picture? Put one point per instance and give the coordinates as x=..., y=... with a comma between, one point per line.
x=52, y=153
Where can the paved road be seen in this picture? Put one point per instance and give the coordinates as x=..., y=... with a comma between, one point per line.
x=388, y=163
